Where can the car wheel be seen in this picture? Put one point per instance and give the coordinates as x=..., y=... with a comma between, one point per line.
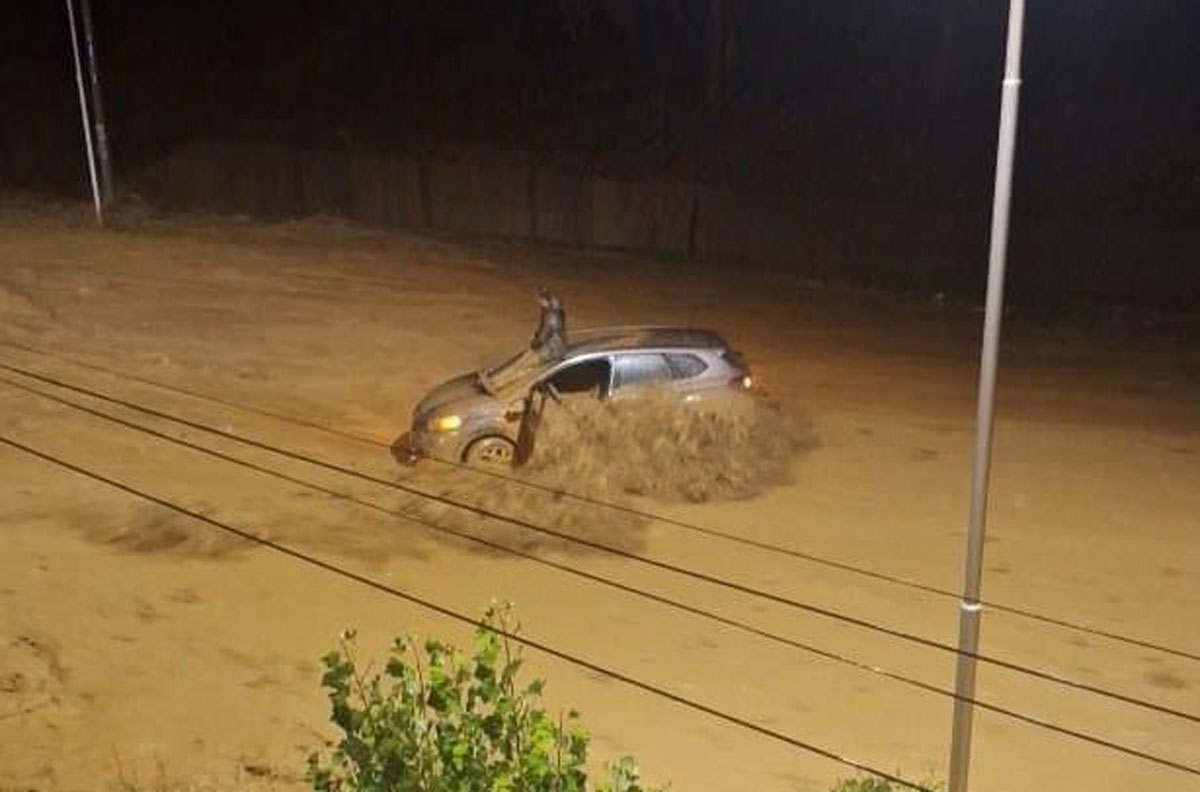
x=492, y=451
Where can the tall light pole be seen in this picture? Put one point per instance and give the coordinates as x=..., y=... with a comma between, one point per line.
x=85, y=115
x=970, y=607
x=93, y=68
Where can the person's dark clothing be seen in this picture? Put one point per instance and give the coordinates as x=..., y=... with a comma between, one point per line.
x=551, y=336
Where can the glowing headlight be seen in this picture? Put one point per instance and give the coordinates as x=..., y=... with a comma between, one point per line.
x=447, y=423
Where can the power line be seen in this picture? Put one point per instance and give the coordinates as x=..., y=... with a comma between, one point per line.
x=442, y=610
x=601, y=580
x=692, y=527
x=652, y=562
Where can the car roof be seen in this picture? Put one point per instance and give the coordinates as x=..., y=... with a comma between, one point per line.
x=624, y=339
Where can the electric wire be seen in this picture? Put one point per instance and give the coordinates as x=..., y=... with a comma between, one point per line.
x=646, y=560
x=450, y=613
x=633, y=511
x=601, y=580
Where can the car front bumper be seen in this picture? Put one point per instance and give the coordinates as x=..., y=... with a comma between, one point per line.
x=405, y=450
x=413, y=446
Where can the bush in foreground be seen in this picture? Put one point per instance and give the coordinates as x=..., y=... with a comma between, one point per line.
x=436, y=720
x=873, y=784
x=864, y=785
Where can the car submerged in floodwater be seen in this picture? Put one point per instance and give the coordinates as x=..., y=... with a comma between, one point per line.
x=481, y=418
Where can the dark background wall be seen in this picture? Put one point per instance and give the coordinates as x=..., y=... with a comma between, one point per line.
x=849, y=140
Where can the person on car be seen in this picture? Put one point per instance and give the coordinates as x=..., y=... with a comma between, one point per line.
x=550, y=338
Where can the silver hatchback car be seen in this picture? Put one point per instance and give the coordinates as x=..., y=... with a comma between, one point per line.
x=479, y=418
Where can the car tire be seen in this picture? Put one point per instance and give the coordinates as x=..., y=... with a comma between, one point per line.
x=492, y=451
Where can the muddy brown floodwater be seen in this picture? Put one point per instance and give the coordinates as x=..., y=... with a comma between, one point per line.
x=590, y=457
x=139, y=644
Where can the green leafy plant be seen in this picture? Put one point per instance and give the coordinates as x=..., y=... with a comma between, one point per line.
x=864, y=785
x=436, y=720
x=874, y=784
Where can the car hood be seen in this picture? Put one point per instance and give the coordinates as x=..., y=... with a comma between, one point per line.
x=459, y=394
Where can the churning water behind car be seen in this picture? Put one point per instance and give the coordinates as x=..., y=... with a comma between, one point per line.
x=655, y=447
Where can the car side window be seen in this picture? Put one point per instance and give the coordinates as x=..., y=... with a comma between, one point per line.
x=641, y=369
x=685, y=366
x=585, y=377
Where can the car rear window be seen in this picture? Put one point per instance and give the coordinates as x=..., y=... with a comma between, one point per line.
x=685, y=366
x=642, y=369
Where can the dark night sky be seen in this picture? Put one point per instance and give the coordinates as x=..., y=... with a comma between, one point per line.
x=881, y=98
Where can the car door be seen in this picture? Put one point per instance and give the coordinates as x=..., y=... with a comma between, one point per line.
x=569, y=383
x=635, y=372
x=590, y=378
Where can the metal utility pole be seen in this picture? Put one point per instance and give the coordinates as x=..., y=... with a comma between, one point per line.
x=969, y=615
x=106, y=176
x=83, y=111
